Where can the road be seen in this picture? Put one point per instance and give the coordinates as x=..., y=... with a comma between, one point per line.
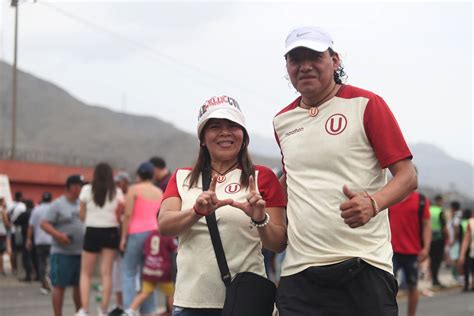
x=25, y=299
x=449, y=303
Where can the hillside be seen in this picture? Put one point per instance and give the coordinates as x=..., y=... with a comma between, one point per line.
x=53, y=126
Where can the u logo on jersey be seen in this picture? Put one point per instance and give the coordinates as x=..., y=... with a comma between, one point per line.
x=232, y=188
x=336, y=124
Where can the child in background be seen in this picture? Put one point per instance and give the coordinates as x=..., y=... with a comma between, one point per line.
x=156, y=270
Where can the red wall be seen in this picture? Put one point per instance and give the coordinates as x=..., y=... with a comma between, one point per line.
x=34, y=178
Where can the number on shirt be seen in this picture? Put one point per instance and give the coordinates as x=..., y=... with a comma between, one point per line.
x=155, y=245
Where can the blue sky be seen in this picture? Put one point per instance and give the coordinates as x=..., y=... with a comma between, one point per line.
x=165, y=58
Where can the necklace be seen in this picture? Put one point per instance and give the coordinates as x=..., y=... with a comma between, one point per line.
x=313, y=109
x=221, y=176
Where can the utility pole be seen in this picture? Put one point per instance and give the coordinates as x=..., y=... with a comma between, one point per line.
x=14, y=83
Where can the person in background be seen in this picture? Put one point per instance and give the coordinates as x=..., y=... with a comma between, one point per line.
x=410, y=241
x=63, y=223
x=142, y=203
x=4, y=227
x=338, y=143
x=156, y=272
x=28, y=256
x=16, y=209
x=162, y=175
x=455, y=237
x=466, y=255
x=247, y=200
x=439, y=235
x=99, y=204
x=42, y=240
x=123, y=181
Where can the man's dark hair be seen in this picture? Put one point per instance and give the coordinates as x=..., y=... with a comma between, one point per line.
x=455, y=205
x=18, y=196
x=339, y=75
x=438, y=197
x=158, y=162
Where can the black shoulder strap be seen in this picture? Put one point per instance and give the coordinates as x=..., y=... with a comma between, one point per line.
x=421, y=209
x=214, y=232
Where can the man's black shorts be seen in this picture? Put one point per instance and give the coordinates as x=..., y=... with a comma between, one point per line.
x=352, y=287
x=409, y=265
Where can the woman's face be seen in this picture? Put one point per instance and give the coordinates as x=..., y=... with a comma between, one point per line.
x=223, y=139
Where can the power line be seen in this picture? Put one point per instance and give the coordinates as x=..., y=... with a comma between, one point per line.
x=152, y=50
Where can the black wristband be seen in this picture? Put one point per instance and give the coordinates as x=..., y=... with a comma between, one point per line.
x=260, y=222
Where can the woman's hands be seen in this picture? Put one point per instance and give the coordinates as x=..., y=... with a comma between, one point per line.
x=207, y=202
x=254, y=207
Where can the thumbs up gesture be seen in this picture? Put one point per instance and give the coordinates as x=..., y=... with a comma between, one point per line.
x=207, y=202
x=357, y=210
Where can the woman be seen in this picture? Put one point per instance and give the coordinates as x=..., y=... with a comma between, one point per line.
x=242, y=196
x=141, y=206
x=99, y=204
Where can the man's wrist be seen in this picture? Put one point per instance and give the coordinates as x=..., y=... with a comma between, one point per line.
x=373, y=202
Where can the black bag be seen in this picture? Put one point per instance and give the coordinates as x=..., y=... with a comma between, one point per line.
x=248, y=294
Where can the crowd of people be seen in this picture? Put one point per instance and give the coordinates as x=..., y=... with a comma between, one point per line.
x=61, y=240
x=334, y=231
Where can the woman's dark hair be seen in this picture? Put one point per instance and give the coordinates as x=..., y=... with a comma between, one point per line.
x=103, y=184
x=203, y=162
x=339, y=75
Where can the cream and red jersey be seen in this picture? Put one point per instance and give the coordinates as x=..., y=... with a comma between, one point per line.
x=198, y=282
x=351, y=141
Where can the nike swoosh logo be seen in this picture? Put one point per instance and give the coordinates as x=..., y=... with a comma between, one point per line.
x=301, y=34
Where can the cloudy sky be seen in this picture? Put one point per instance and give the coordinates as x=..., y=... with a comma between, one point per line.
x=165, y=58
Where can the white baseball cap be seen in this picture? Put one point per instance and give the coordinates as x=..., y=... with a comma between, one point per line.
x=311, y=37
x=222, y=107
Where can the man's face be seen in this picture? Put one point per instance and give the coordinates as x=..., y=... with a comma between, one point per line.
x=311, y=72
x=74, y=190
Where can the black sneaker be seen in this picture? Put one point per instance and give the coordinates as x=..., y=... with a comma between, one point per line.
x=117, y=311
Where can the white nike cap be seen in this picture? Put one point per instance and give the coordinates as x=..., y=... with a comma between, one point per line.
x=311, y=37
x=220, y=107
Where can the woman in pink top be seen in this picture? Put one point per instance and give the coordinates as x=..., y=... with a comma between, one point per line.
x=142, y=203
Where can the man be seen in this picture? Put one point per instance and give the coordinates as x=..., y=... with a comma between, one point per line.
x=17, y=208
x=62, y=222
x=410, y=245
x=122, y=180
x=41, y=239
x=439, y=234
x=28, y=258
x=162, y=174
x=336, y=141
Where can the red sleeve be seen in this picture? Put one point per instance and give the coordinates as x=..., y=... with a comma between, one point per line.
x=171, y=188
x=426, y=211
x=270, y=187
x=384, y=134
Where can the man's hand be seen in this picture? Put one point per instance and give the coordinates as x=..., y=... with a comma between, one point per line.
x=358, y=210
x=207, y=202
x=29, y=244
x=63, y=239
x=254, y=207
x=423, y=255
